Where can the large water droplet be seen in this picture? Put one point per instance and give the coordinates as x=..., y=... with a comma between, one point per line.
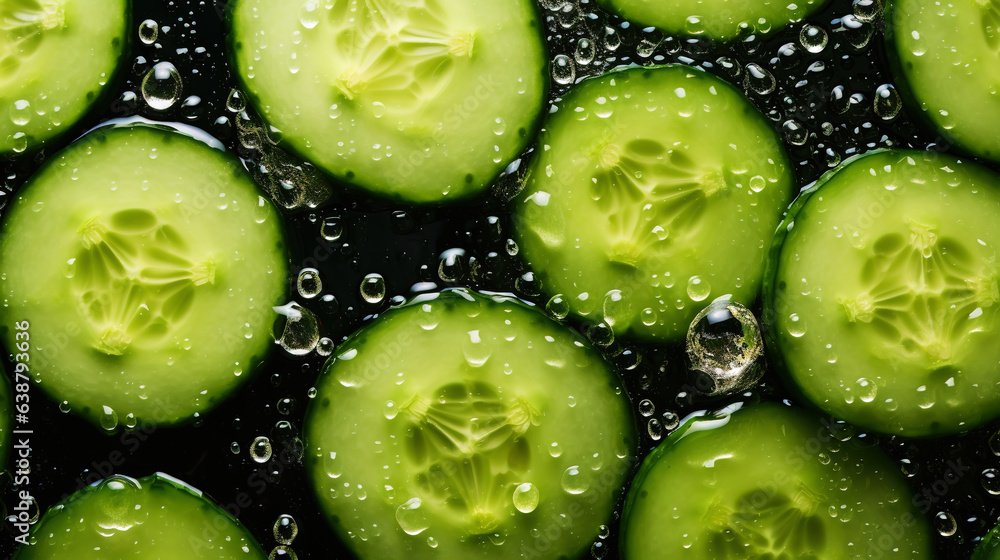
x=373, y=288
x=563, y=70
x=759, y=80
x=285, y=529
x=574, y=480
x=161, y=87
x=309, y=283
x=260, y=449
x=410, y=518
x=887, y=102
x=526, y=497
x=309, y=14
x=148, y=31
x=813, y=38
x=724, y=344
x=300, y=334
x=698, y=288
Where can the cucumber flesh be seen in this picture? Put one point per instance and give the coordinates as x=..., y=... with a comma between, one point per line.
x=464, y=426
x=772, y=482
x=947, y=56
x=717, y=19
x=156, y=516
x=150, y=296
x=414, y=100
x=658, y=190
x=57, y=58
x=882, y=299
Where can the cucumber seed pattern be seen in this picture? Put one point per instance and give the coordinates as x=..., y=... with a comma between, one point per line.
x=925, y=293
x=651, y=194
x=22, y=24
x=395, y=55
x=470, y=442
x=991, y=22
x=768, y=525
x=134, y=278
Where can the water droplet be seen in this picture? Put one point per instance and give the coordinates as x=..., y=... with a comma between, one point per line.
x=698, y=288
x=309, y=14
x=693, y=25
x=866, y=389
x=282, y=552
x=867, y=10
x=432, y=542
x=795, y=133
x=813, y=38
x=109, y=418
x=20, y=112
x=887, y=102
x=149, y=30
x=300, y=334
x=617, y=308
x=333, y=465
x=945, y=524
x=991, y=481
x=451, y=265
x=476, y=351
x=563, y=70
x=585, y=51
x=655, y=429
x=235, y=103
x=796, y=325
x=260, y=449
x=161, y=87
x=600, y=335
x=325, y=346
x=410, y=519
x=557, y=307
x=285, y=529
x=646, y=407
x=555, y=450
x=373, y=288
x=995, y=443
x=759, y=80
x=234, y=447
x=757, y=183
x=286, y=406
x=671, y=420
x=309, y=283
x=332, y=228
x=526, y=497
x=724, y=343
x=574, y=480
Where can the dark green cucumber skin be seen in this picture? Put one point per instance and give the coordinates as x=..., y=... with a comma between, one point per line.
x=768, y=322
x=368, y=196
x=98, y=107
x=989, y=547
x=911, y=107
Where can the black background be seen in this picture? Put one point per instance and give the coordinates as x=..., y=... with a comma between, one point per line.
x=404, y=246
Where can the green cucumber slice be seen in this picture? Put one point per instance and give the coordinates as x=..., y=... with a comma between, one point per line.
x=717, y=19
x=947, y=57
x=989, y=548
x=657, y=190
x=147, y=265
x=414, y=100
x=464, y=425
x=156, y=516
x=881, y=297
x=772, y=482
x=57, y=58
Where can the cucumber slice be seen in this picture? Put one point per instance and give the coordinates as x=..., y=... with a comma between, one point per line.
x=149, y=296
x=989, y=548
x=881, y=296
x=718, y=19
x=156, y=516
x=947, y=57
x=770, y=482
x=463, y=425
x=57, y=58
x=414, y=100
x=658, y=189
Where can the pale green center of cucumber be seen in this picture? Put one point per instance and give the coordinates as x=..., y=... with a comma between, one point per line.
x=396, y=55
x=768, y=524
x=469, y=443
x=22, y=24
x=135, y=279
x=923, y=294
x=651, y=195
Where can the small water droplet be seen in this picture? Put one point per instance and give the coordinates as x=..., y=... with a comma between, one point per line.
x=887, y=102
x=373, y=288
x=109, y=418
x=557, y=307
x=235, y=103
x=866, y=389
x=646, y=407
x=585, y=51
x=759, y=80
x=795, y=133
x=20, y=112
x=282, y=552
x=300, y=334
x=234, y=448
x=260, y=449
x=698, y=288
x=655, y=429
x=161, y=86
x=945, y=524
x=526, y=497
x=796, y=325
x=325, y=346
x=991, y=481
